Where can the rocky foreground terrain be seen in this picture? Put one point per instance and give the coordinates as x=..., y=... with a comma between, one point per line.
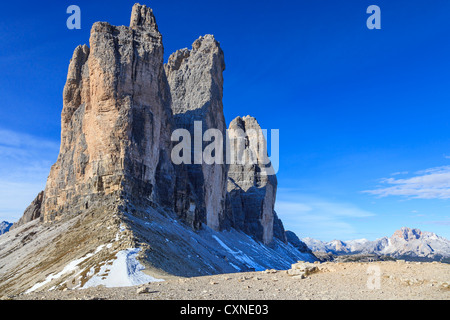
x=398, y=280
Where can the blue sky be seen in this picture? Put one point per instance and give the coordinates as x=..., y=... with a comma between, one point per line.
x=363, y=114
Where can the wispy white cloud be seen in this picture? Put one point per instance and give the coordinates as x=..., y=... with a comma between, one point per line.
x=399, y=173
x=317, y=217
x=25, y=162
x=16, y=139
x=433, y=183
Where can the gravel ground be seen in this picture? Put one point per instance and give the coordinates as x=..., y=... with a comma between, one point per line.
x=335, y=281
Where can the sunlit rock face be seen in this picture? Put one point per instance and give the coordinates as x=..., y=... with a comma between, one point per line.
x=116, y=122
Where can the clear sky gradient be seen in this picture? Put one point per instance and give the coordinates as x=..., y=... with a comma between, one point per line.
x=363, y=114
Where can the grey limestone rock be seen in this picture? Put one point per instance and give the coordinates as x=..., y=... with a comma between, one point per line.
x=251, y=190
x=296, y=242
x=196, y=86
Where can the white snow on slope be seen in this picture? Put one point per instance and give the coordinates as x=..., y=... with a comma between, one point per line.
x=240, y=256
x=70, y=267
x=124, y=271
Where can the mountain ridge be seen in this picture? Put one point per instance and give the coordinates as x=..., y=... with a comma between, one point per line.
x=5, y=226
x=408, y=243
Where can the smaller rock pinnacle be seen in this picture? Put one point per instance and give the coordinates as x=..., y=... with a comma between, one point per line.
x=142, y=17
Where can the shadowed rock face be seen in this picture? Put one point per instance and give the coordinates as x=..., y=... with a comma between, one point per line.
x=292, y=238
x=116, y=123
x=251, y=191
x=196, y=85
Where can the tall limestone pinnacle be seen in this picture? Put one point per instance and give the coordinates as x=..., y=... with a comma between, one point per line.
x=115, y=134
x=196, y=85
x=251, y=190
x=142, y=17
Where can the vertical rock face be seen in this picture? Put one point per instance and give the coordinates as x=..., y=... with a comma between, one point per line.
x=251, y=191
x=115, y=121
x=278, y=229
x=196, y=86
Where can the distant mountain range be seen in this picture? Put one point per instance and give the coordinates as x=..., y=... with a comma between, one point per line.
x=406, y=243
x=4, y=227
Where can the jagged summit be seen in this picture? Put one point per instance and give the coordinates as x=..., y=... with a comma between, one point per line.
x=5, y=226
x=142, y=17
x=203, y=44
x=407, y=234
x=114, y=195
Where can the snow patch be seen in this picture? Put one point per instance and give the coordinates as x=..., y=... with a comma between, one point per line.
x=70, y=267
x=239, y=255
x=124, y=271
x=235, y=266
